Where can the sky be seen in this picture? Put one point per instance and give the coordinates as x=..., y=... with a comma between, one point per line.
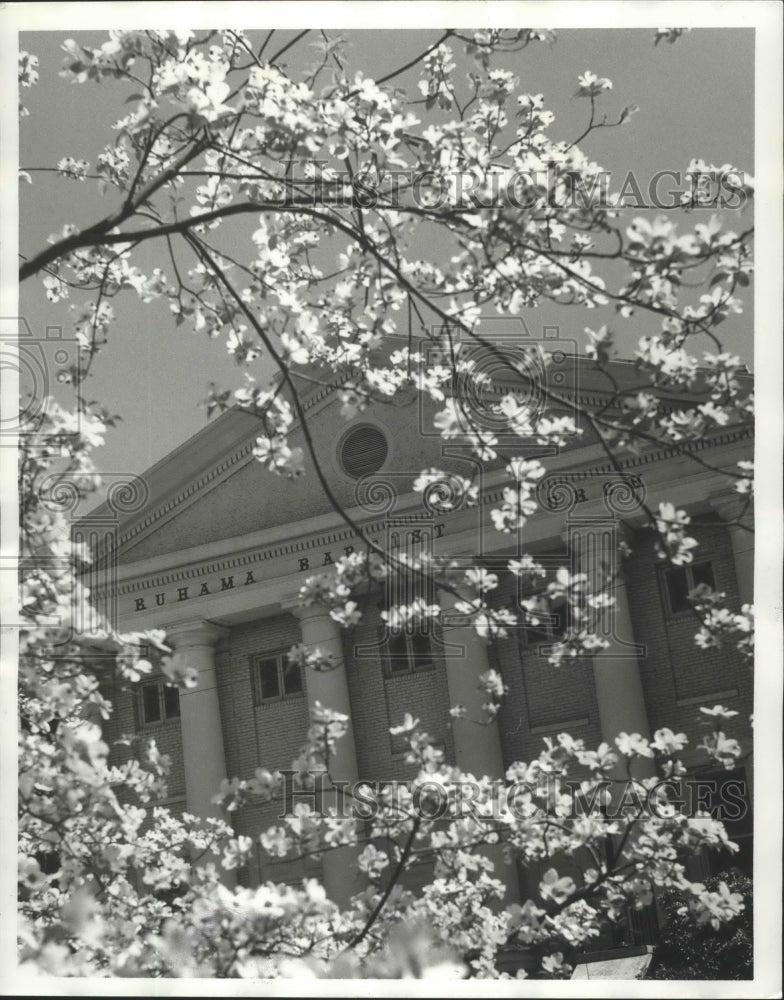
x=696, y=99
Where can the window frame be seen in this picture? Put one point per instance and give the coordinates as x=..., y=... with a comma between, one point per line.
x=411, y=666
x=161, y=685
x=528, y=635
x=688, y=568
x=280, y=658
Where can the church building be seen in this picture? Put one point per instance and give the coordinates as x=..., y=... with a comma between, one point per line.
x=214, y=549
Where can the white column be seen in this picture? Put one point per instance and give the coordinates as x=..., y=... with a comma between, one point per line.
x=330, y=687
x=733, y=508
x=478, y=747
x=616, y=670
x=200, y=719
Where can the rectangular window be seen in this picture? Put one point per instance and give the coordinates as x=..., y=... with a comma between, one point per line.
x=681, y=580
x=273, y=678
x=158, y=701
x=550, y=626
x=420, y=654
x=292, y=679
x=171, y=702
x=268, y=679
x=404, y=653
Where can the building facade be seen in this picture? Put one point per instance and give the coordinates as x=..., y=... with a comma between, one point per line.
x=216, y=548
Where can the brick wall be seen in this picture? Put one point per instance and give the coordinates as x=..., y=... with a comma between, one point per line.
x=379, y=702
x=677, y=675
x=543, y=700
x=266, y=735
x=125, y=722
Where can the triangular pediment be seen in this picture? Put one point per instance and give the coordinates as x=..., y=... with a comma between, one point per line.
x=210, y=488
x=213, y=488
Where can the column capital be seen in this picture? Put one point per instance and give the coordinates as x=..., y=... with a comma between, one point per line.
x=197, y=632
x=732, y=506
x=307, y=611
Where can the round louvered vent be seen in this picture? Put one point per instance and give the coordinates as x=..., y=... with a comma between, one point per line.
x=363, y=451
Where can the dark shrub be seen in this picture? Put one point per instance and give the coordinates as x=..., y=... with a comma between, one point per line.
x=687, y=951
